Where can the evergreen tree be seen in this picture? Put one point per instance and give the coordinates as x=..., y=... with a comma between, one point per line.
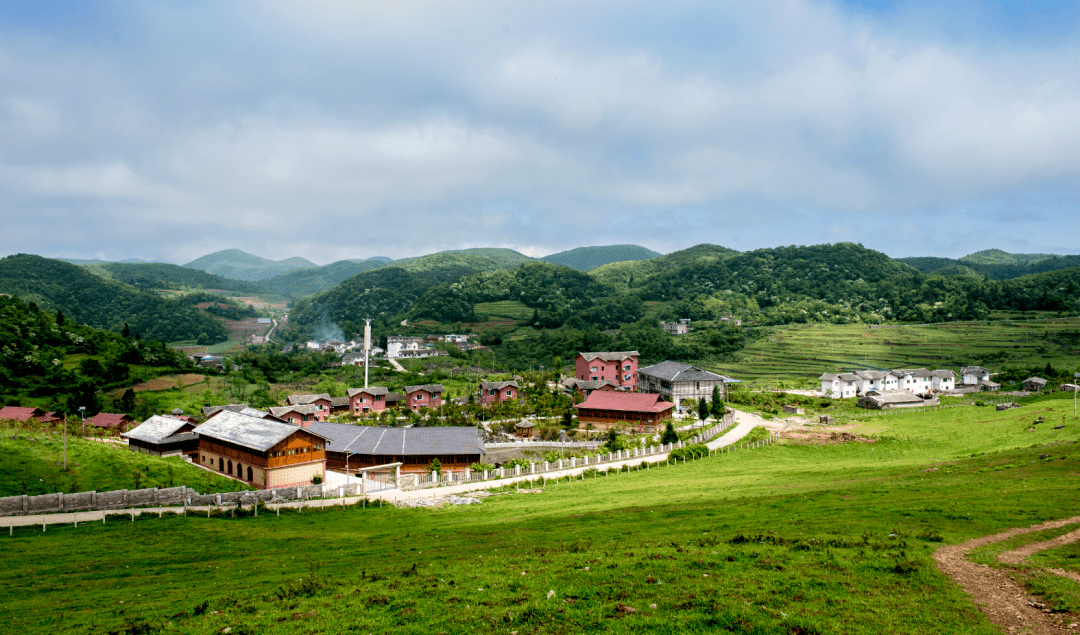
x=703, y=409
x=126, y=331
x=669, y=436
x=716, y=405
x=59, y=318
x=436, y=466
x=127, y=402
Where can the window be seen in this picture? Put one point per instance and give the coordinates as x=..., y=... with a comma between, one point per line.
x=594, y=369
x=493, y=392
x=627, y=367
x=419, y=397
x=627, y=378
x=509, y=393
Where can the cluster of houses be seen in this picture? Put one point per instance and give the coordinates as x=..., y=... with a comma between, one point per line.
x=263, y=451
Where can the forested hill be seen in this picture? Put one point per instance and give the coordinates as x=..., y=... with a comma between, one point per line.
x=588, y=258
x=102, y=303
x=240, y=265
x=306, y=282
x=993, y=264
x=823, y=283
x=159, y=275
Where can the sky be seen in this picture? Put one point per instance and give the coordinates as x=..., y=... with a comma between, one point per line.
x=333, y=130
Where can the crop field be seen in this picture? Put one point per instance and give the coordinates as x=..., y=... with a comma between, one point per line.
x=504, y=310
x=166, y=382
x=811, y=349
x=793, y=538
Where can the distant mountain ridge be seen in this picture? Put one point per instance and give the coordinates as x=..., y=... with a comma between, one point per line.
x=994, y=264
x=240, y=265
x=589, y=258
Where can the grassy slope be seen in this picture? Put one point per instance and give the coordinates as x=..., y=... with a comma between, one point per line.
x=839, y=540
x=31, y=463
x=586, y=258
x=809, y=350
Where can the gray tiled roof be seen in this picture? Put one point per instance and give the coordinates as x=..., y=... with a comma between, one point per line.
x=828, y=376
x=155, y=429
x=399, y=441
x=371, y=390
x=586, y=384
x=976, y=370
x=307, y=409
x=339, y=402
x=943, y=373
x=249, y=432
x=675, y=371
x=498, y=385
x=615, y=356
x=895, y=397
x=432, y=388
x=232, y=407
x=301, y=400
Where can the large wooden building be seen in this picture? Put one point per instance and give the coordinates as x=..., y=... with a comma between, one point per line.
x=261, y=452
x=365, y=446
x=163, y=435
x=635, y=412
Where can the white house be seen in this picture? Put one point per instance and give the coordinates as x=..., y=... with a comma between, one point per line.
x=841, y=386
x=916, y=380
x=398, y=343
x=943, y=380
x=971, y=375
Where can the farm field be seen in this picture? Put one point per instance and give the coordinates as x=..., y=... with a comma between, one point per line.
x=808, y=350
x=791, y=538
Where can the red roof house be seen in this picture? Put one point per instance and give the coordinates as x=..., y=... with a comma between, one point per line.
x=22, y=415
x=638, y=412
x=110, y=421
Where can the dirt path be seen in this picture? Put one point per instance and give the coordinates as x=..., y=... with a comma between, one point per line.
x=996, y=592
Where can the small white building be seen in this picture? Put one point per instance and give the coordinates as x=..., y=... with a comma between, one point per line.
x=840, y=386
x=918, y=381
x=972, y=375
x=943, y=380
x=398, y=343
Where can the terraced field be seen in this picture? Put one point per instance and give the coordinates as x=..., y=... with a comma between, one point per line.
x=807, y=350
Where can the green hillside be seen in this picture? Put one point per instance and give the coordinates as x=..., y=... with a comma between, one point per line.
x=50, y=361
x=448, y=265
x=623, y=274
x=240, y=265
x=999, y=257
x=305, y=282
x=31, y=462
x=588, y=258
x=102, y=303
x=159, y=275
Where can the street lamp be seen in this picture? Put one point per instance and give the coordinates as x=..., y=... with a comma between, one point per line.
x=82, y=423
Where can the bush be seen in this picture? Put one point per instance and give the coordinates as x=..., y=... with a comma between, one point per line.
x=670, y=436
x=315, y=480
x=692, y=451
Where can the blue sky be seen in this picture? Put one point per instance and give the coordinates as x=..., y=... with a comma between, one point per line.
x=335, y=130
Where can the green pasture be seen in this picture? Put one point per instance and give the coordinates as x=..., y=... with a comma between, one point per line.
x=32, y=462
x=808, y=350
x=784, y=539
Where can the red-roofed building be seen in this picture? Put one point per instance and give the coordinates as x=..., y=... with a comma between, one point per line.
x=22, y=415
x=111, y=422
x=639, y=412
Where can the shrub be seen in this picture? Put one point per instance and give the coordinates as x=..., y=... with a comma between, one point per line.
x=692, y=451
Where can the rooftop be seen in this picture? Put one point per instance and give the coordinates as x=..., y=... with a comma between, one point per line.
x=625, y=401
x=156, y=429
x=676, y=371
x=414, y=441
x=249, y=432
x=616, y=356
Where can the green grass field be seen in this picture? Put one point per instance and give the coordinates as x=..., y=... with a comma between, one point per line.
x=810, y=350
x=31, y=462
x=785, y=539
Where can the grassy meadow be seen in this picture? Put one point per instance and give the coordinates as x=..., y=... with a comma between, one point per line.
x=792, y=538
x=32, y=463
x=807, y=350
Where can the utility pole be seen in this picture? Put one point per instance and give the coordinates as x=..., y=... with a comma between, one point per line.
x=65, y=443
x=367, y=348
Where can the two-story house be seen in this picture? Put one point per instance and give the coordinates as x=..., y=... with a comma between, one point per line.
x=496, y=392
x=423, y=396
x=367, y=400
x=618, y=367
x=675, y=381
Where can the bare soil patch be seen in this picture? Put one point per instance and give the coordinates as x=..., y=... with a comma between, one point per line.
x=996, y=591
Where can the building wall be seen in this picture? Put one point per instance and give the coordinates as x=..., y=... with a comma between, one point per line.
x=486, y=398
x=427, y=399
x=373, y=403
x=623, y=372
x=214, y=460
x=293, y=475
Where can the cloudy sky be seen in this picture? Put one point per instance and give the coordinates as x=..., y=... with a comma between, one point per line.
x=335, y=130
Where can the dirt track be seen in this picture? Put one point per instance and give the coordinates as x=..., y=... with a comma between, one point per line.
x=996, y=592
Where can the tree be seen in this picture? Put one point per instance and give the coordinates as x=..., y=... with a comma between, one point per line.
x=436, y=466
x=669, y=436
x=702, y=409
x=568, y=420
x=1050, y=372
x=126, y=331
x=59, y=317
x=127, y=402
x=717, y=404
x=614, y=441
